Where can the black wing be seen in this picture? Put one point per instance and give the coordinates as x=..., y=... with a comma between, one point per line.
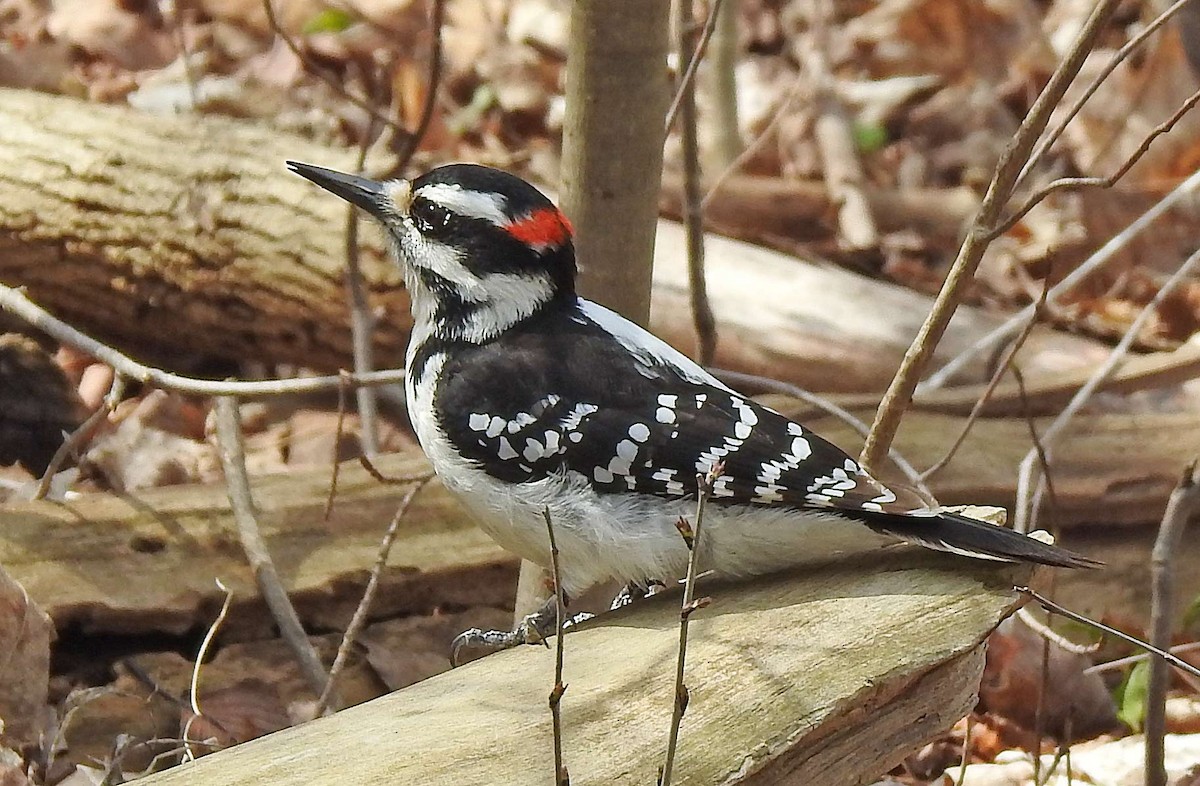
x=585, y=392
x=566, y=394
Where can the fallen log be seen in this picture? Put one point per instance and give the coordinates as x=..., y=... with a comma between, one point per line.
x=174, y=237
x=823, y=677
x=146, y=561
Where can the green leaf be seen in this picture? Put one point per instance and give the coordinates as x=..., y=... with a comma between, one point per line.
x=869, y=137
x=331, y=20
x=1131, y=695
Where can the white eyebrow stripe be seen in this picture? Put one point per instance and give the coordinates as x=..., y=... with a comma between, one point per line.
x=473, y=204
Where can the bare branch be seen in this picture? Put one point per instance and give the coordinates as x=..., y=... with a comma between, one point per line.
x=1062, y=611
x=1118, y=57
x=325, y=76
x=691, y=537
x=1065, y=183
x=233, y=459
x=561, y=776
x=14, y=302
x=1092, y=264
x=362, y=323
x=433, y=83
x=899, y=393
x=688, y=79
x=1025, y=515
x=194, y=690
x=1181, y=506
x=1001, y=368
x=74, y=443
x=361, y=612
x=693, y=215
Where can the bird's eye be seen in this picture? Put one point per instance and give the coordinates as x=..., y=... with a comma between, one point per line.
x=429, y=216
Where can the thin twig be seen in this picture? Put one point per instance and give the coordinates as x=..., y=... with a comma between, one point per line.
x=794, y=92
x=1094, y=263
x=399, y=480
x=1053, y=636
x=1118, y=57
x=433, y=83
x=1026, y=515
x=827, y=406
x=170, y=12
x=966, y=754
x=899, y=393
x=693, y=215
x=980, y=403
x=233, y=459
x=1129, y=660
x=362, y=321
x=1062, y=611
x=1064, y=183
x=834, y=137
x=194, y=690
x=335, y=472
x=691, y=538
x=14, y=302
x=693, y=63
x=359, y=619
x=1181, y=506
x=325, y=76
x=1039, y=454
x=561, y=776
x=73, y=444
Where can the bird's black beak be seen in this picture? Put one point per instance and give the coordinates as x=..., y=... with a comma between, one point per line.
x=367, y=194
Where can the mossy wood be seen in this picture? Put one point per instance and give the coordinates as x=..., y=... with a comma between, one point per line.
x=827, y=677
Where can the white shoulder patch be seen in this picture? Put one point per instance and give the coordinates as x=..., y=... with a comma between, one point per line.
x=646, y=346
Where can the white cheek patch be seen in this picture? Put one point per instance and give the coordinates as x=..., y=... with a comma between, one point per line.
x=473, y=204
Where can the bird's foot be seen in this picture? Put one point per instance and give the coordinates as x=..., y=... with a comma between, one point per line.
x=535, y=628
x=635, y=591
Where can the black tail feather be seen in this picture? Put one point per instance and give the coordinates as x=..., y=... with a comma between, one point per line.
x=970, y=537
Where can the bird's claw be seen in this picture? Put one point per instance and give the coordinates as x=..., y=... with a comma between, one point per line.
x=535, y=628
x=633, y=592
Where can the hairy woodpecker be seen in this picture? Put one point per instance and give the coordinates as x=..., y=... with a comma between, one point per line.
x=526, y=396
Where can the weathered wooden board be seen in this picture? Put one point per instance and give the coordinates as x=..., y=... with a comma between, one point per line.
x=825, y=678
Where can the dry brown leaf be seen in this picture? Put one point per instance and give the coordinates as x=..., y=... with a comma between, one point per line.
x=1012, y=682
x=25, y=634
x=104, y=28
x=247, y=709
x=150, y=446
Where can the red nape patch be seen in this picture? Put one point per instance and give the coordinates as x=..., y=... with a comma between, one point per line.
x=543, y=228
